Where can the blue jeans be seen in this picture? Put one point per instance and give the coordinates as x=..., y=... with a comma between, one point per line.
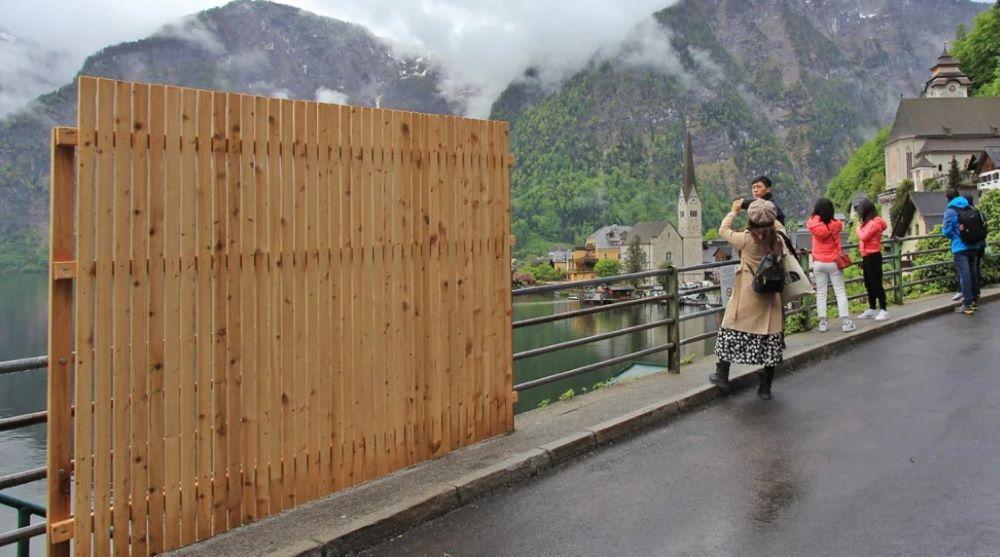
x=968, y=274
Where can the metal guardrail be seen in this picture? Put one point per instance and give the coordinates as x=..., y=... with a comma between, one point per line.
x=893, y=273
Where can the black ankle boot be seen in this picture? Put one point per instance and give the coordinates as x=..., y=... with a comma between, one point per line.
x=764, y=389
x=721, y=376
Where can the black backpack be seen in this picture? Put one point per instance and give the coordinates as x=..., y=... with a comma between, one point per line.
x=971, y=226
x=769, y=278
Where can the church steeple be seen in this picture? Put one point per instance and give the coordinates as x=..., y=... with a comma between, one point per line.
x=689, y=212
x=947, y=78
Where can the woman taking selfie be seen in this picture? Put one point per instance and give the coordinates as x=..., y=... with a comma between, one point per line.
x=752, y=330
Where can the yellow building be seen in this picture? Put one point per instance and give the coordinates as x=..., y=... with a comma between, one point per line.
x=605, y=243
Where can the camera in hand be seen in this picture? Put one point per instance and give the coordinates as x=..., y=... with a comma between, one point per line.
x=746, y=202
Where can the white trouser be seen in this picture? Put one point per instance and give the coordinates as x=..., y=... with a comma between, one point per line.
x=824, y=274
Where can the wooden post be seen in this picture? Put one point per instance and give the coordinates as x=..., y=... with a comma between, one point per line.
x=674, y=328
x=60, y=350
x=896, y=245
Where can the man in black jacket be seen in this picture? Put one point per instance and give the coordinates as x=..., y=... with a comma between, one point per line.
x=761, y=187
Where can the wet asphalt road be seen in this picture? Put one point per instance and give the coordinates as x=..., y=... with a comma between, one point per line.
x=890, y=448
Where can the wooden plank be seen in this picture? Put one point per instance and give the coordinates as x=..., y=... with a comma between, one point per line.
x=299, y=372
x=400, y=364
x=455, y=340
x=287, y=298
x=508, y=407
x=188, y=233
x=273, y=416
x=234, y=333
x=406, y=172
x=220, y=367
x=65, y=136
x=205, y=247
x=248, y=306
x=342, y=263
x=324, y=340
x=155, y=357
x=84, y=318
x=376, y=298
x=59, y=426
x=171, y=321
x=121, y=355
x=103, y=315
x=372, y=402
x=424, y=341
x=61, y=532
x=311, y=285
x=499, y=280
x=356, y=364
x=264, y=369
x=441, y=440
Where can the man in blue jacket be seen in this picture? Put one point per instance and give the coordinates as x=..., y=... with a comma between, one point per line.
x=964, y=255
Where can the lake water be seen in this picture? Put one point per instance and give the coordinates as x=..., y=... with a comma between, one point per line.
x=23, y=305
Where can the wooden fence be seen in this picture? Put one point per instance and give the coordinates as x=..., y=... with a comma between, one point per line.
x=268, y=300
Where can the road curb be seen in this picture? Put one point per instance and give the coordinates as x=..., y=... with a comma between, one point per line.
x=408, y=513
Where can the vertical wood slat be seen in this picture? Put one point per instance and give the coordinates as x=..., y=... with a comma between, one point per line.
x=298, y=297
x=138, y=300
x=84, y=318
x=188, y=324
x=234, y=337
x=121, y=354
x=300, y=374
x=248, y=309
x=274, y=419
x=154, y=346
x=171, y=322
x=324, y=339
x=287, y=297
x=203, y=351
x=220, y=366
x=263, y=317
x=103, y=316
x=311, y=285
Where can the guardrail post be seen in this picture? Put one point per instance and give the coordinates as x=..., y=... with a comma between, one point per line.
x=23, y=521
x=896, y=249
x=674, y=328
x=807, y=302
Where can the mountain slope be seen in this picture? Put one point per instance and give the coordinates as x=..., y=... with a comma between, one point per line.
x=786, y=88
x=247, y=46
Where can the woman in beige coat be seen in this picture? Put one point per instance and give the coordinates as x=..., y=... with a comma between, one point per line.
x=752, y=330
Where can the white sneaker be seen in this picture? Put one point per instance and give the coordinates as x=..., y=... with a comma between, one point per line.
x=824, y=325
x=956, y=297
x=883, y=315
x=867, y=314
x=847, y=325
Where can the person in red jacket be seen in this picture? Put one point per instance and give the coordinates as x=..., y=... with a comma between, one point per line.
x=869, y=234
x=826, y=247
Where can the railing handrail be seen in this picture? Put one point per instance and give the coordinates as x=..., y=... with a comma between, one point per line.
x=24, y=364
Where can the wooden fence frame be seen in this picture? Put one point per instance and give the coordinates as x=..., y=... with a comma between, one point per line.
x=164, y=201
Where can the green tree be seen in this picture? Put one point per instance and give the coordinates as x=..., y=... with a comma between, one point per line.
x=955, y=175
x=864, y=172
x=979, y=52
x=635, y=258
x=607, y=268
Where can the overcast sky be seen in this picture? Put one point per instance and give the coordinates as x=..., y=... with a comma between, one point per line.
x=483, y=43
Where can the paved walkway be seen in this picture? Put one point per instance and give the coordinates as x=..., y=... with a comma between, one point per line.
x=543, y=438
x=888, y=448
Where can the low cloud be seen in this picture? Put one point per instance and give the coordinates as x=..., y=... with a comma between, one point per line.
x=325, y=95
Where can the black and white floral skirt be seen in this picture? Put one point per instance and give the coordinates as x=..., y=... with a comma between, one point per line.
x=748, y=348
